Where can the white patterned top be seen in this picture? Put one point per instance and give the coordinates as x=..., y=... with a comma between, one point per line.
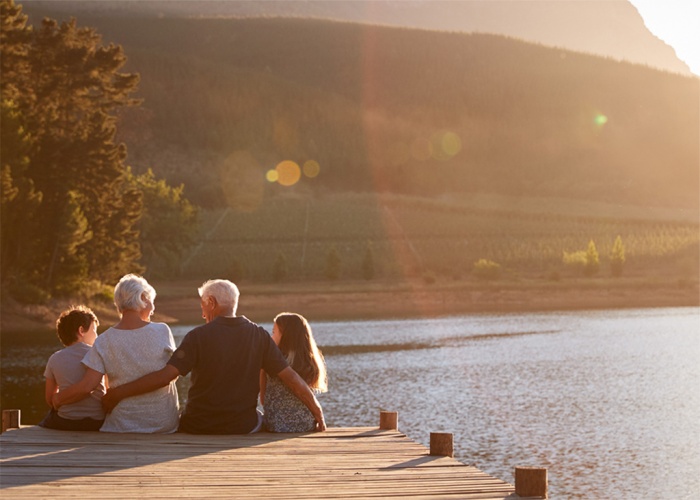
x=126, y=355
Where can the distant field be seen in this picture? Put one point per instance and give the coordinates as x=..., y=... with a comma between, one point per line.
x=442, y=238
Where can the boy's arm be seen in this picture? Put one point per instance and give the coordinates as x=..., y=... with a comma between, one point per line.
x=263, y=386
x=50, y=390
x=78, y=391
x=296, y=384
x=147, y=383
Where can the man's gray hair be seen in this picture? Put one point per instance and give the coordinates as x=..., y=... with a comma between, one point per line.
x=129, y=292
x=225, y=293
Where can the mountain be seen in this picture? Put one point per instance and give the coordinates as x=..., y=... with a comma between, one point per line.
x=611, y=28
x=408, y=111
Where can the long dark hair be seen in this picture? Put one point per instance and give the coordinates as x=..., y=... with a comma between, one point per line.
x=299, y=347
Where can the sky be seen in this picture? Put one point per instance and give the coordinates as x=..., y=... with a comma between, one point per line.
x=676, y=22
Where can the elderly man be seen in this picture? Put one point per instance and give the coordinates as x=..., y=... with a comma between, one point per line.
x=225, y=356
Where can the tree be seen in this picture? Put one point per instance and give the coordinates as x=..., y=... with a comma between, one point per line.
x=167, y=226
x=485, y=269
x=368, y=262
x=333, y=264
x=69, y=206
x=592, y=260
x=617, y=257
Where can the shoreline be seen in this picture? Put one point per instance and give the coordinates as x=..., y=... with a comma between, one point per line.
x=178, y=302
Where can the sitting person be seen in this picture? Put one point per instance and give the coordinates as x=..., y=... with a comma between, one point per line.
x=283, y=410
x=126, y=351
x=77, y=330
x=225, y=357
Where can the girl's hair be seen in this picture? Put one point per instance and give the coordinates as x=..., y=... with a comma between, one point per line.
x=299, y=347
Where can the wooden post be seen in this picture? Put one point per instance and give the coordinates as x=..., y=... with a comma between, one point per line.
x=441, y=444
x=389, y=420
x=531, y=482
x=10, y=419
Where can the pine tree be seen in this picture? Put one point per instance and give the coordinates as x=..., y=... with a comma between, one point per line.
x=592, y=260
x=617, y=257
x=61, y=91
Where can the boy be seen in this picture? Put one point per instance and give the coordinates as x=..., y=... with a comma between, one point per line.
x=77, y=330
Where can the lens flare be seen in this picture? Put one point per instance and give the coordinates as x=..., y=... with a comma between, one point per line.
x=311, y=168
x=288, y=173
x=601, y=119
x=272, y=175
x=451, y=143
x=445, y=145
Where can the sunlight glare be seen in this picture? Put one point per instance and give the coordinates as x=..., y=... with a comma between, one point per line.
x=288, y=173
x=311, y=168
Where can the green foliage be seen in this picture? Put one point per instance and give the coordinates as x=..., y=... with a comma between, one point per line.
x=63, y=179
x=445, y=235
x=486, y=270
x=368, y=262
x=168, y=223
x=617, y=257
x=592, y=260
x=333, y=264
x=280, y=269
x=575, y=260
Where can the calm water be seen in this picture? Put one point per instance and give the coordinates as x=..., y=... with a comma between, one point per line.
x=608, y=401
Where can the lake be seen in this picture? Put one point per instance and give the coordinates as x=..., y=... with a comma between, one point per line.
x=608, y=401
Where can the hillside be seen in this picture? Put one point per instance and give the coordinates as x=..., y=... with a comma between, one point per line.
x=399, y=110
x=612, y=28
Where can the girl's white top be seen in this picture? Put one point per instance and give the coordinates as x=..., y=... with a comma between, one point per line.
x=126, y=355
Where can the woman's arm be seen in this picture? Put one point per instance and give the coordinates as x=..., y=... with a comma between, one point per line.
x=50, y=389
x=263, y=386
x=76, y=392
x=296, y=384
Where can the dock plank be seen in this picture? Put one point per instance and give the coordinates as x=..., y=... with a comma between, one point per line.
x=337, y=464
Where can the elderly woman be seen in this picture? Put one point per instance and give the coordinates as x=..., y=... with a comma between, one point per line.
x=126, y=351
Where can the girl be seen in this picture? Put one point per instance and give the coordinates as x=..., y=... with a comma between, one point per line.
x=283, y=411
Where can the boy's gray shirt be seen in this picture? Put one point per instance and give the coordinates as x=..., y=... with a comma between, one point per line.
x=66, y=369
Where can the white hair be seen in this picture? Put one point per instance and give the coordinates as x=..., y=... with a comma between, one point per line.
x=225, y=293
x=129, y=293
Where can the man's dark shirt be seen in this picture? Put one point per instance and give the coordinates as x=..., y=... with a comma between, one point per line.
x=225, y=357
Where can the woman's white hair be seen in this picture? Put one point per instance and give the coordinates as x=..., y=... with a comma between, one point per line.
x=225, y=293
x=130, y=291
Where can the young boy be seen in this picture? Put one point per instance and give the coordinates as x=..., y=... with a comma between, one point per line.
x=77, y=330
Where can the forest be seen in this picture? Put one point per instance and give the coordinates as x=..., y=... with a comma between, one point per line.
x=268, y=148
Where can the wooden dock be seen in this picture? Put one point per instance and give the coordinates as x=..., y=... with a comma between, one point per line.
x=339, y=463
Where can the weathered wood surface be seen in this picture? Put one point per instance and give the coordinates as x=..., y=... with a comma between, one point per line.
x=338, y=463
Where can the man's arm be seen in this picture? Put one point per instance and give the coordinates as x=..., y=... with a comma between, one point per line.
x=78, y=391
x=296, y=384
x=147, y=383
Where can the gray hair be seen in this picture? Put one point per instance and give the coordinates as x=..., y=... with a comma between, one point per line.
x=128, y=294
x=225, y=293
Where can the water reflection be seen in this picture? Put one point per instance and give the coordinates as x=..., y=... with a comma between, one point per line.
x=607, y=400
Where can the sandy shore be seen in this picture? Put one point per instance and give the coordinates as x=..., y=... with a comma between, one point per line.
x=345, y=303
x=178, y=302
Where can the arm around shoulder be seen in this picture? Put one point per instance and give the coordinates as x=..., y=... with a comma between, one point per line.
x=78, y=391
x=147, y=383
x=296, y=384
